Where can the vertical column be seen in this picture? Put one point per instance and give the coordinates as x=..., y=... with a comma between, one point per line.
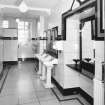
x=98, y=92
x=1, y=42
x=43, y=76
x=98, y=83
x=41, y=33
x=48, y=78
x=42, y=22
x=40, y=68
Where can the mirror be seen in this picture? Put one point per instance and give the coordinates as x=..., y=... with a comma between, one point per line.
x=78, y=29
x=87, y=42
x=88, y=47
x=48, y=32
x=72, y=38
x=51, y=36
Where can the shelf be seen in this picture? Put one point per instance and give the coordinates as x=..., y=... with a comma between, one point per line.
x=83, y=71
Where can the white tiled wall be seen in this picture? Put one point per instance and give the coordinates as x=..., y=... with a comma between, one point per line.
x=10, y=50
x=59, y=70
x=69, y=80
x=86, y=84
x=56, y=13
x=35, y=46
x=41, y=47
x=10, y=32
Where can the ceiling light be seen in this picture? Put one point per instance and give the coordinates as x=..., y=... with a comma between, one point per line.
x=82, y=0
x=17, y=20
x=58, y=45
x=23, y=7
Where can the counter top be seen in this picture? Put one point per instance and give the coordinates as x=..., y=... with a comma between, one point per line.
x=83, y=71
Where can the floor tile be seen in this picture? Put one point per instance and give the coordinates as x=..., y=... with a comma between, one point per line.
x=71, y=102
x=35, y=103
x=50, y=102
x=45, y=95
x=9, y=100
x=24, y=87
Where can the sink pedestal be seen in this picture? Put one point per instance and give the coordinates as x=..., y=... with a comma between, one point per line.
x=47, y=82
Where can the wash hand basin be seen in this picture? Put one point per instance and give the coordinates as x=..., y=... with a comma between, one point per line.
x=40, y=56
x=51, y=62
x=48, y=64
x=44, y=59
x=54, y=61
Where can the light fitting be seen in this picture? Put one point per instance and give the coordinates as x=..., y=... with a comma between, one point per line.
x=23, y=7
x=58, y=45
x=17, y=20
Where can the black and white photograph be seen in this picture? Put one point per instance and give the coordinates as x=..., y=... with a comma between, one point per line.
x=52, y=52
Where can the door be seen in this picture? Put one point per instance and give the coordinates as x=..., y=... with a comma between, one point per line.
x=24, y=40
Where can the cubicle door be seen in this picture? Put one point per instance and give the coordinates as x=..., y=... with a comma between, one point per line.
x=10, y=50
x=25, y=50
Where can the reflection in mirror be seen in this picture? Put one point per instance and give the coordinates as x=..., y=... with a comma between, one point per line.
x=72, y=35
x=87, y=42
x=88, y=48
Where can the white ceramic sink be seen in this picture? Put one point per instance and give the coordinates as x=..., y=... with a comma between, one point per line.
x=54, y=61
x=48, y=64
x=44, y=59
x=40, y=56
x=51, y=62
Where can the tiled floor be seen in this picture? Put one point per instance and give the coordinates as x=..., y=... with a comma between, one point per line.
x=23, y=87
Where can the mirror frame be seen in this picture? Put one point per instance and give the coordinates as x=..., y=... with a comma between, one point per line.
x=55, y=30
x=69, y=13
x=82, y=2
x=99, y=21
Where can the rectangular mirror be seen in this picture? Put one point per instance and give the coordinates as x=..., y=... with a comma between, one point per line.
x=51, y=36
x=88, y=46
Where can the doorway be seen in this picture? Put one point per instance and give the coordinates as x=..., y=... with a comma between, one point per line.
x=24, y=40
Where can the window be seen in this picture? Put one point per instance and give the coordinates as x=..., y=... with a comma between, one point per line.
x=5, y=24
x=23, y=32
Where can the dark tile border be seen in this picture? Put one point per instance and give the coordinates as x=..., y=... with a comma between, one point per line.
x=5, y=63
x=66, y=92
x=26, y=59
x=66, y=99
x=86, y=96
x=4, y=79
x=73, y=91
x=8, y=38
x=1, y=74
x=40, y=38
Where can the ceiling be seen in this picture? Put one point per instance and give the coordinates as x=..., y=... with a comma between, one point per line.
x=33, y=3
x=34, y=7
